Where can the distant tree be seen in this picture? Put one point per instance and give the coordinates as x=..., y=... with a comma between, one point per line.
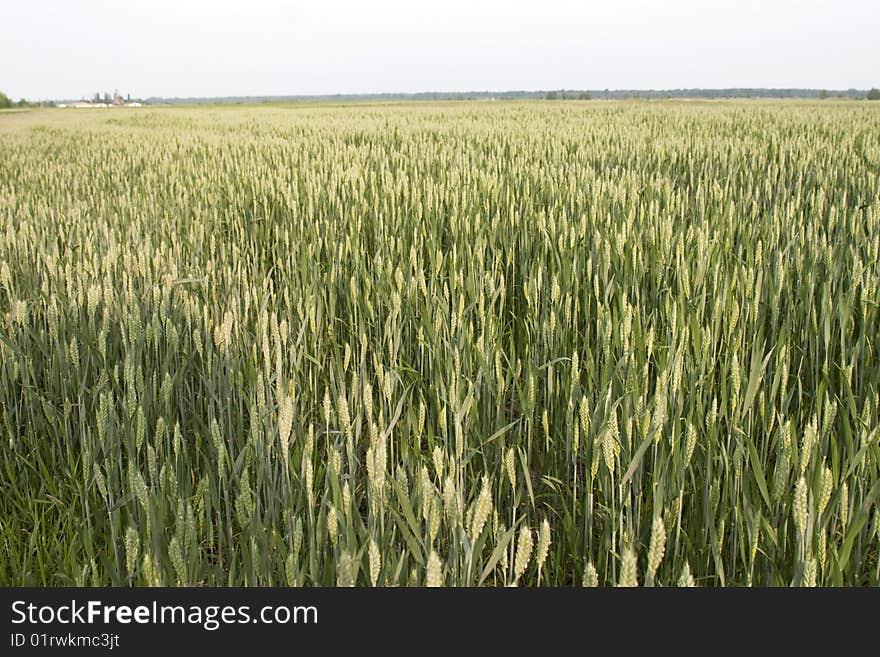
x=874, y=94
x=823, y=94
x=585, y=96
x=552, y=95
x=4, y=101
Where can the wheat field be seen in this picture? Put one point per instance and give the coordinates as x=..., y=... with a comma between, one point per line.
x=460, y=344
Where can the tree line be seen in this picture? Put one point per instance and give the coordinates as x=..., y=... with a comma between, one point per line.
x=553, y=94
x=6, y=102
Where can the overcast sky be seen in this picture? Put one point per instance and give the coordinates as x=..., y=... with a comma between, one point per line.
x=74, y=48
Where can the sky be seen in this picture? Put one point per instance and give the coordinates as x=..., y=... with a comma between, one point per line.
x=64, y=49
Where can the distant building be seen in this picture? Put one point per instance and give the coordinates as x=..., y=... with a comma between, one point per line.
x=107, y=101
